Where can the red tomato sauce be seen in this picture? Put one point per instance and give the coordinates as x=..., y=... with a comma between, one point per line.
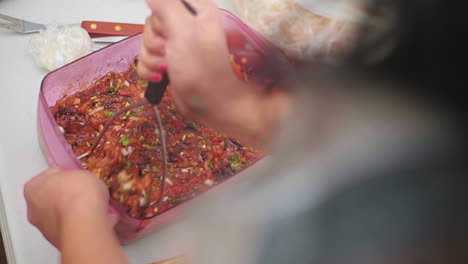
x=129, y=156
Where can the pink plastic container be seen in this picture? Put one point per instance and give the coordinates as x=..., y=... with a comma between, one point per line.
x=78, y=75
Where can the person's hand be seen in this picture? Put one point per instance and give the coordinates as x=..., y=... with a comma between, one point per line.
x=193, y=50
x=56, y=197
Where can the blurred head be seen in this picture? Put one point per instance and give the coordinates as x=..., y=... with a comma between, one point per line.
x=424, y=50
x=414, y=66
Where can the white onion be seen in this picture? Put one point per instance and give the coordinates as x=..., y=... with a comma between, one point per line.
x=57, y=46
x=169, y=181
x=208, y=182
x=127, y=186
x=61, y=129
x=95, y=110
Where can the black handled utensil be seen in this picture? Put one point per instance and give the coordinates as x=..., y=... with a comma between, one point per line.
x=153, y=95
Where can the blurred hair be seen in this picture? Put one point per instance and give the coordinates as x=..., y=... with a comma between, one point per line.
x=428, y=53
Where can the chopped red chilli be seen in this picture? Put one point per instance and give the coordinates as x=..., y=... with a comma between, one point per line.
x=129, y=156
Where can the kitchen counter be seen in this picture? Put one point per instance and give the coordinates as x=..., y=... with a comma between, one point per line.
x=20, y=155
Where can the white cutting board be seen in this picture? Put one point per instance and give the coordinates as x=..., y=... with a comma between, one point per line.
x=20, y=156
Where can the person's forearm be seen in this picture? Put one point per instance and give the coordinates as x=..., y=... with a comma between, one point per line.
x=88, y=238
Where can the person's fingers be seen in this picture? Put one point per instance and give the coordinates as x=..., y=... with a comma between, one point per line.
x=181, y=105
x=113, y=216
x=149, y=64
x=172, y=14
x=99, y=182
x=201, y=6
x=32, y=188
x=154, y=44
x=152, y=39
x=82, y=179
x=34, y=181
x=155, y=26
x=143, y=72
x=49, y=171
x=27, y=195
x=164, y=9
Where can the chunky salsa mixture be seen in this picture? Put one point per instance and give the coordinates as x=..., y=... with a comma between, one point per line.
x=129, y=156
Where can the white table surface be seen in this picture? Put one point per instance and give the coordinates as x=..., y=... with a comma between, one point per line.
x=20, y=156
